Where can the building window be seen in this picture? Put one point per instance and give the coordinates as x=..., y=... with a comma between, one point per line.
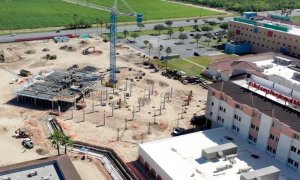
x=274, y=151
x=272, y=137
x=254, y=139
x=219, y=118
x=293, y=149
x=290, y=161
x=252, y=126
x=298, y=151
x=269, y=148
x=238, y=129
x=233, y=127
x=212, y=103
x=213, y=93
x=296, y=164
x=257, y=128
x=211, y=113
x=222, y=120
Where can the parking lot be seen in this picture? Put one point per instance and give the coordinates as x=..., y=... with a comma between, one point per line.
x=187, y=49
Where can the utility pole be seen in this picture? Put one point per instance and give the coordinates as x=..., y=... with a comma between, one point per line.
x=148, y=128
x=112, y=109
x=104, y=118
x=118, y=138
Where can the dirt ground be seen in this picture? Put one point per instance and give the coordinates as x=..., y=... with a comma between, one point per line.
x=93, y=130
x=88, y=170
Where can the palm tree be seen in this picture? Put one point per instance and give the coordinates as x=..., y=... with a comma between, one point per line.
x=135, y=35
x=140, y=25
x=75, y=16
x=168, y=51
x=125, y=33
x=150, y=46
x=66, y=141
x=146, y=42
x=197, y=37
x=181, y=29
x=195, y=21
x=101, y=26
x=182, y=37
x=56, y=139
x=97, y=22
x=209, y=36
x=170, y=32
x=161, y=47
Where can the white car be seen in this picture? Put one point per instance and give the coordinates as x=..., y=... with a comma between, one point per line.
x=12, y=35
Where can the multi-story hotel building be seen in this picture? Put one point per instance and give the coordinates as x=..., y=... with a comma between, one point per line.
x=266, y=34
x=261, y=112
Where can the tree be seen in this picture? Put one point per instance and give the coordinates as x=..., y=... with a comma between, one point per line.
x=196, y=27
x=56, y=139
x=168, y=51
x=206, y=28
x=195, y=21
x=224, y=26
x=146, y=42
x=182, y=37
x=169, y=23
x=197, y=37
x=170, y=32
x=97, y=22
x=212, y=23
x=140, y=25
x=161, y=48
x=209, y=36
x=125, y=33
x=135, y=35
x=181, y=29
x=220, y=19
x=150, y=46
x=75, y=16
x=159, y=27
x=66, y=141
x=101, y=26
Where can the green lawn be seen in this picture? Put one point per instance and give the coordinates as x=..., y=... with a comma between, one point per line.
x=190, y=68
x=21, y=14
x=296, y=19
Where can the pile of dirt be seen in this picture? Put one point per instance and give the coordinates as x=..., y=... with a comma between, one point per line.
x=30, y=52
x=7, y=56
x=68, y=48
x=45, y=49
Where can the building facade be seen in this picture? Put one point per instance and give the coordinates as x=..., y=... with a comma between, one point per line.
x=265, y=35
x=271, y=126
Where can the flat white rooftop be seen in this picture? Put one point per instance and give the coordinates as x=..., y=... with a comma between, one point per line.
x=180, y=157
x=276, y=69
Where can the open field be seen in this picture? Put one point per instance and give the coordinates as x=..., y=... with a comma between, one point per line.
x=16, y=14
x=189, y=65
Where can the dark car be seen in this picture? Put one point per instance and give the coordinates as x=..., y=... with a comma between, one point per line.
x=196, y=54
x=178, y=131
x=58, y=31
x=31, y=174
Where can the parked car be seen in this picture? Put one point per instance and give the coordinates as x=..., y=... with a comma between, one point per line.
x=196, y=54
x=178, y=131
x=58, y=31
x=31, y=174
x=27, y=143
x=12, y=35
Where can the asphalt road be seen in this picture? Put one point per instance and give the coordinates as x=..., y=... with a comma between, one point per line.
x=7, y=38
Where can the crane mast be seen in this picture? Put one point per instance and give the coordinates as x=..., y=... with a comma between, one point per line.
x=113, y=39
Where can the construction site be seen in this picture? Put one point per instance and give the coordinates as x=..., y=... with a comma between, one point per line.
x=142, y=106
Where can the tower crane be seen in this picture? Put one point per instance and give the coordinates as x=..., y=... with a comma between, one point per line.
x=113, y=27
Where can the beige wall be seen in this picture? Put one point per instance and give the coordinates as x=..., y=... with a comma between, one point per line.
x=261, y=42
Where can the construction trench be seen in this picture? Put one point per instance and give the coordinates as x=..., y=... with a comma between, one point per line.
x=117, y=169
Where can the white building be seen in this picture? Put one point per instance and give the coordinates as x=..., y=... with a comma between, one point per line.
x=181, y=158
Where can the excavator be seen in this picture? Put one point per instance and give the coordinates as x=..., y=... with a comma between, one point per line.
x=87, y=51
x=22, y=133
